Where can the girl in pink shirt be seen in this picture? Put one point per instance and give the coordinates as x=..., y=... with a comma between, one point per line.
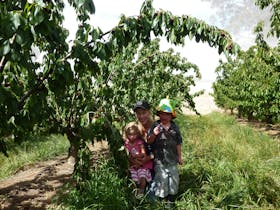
x=140, y=170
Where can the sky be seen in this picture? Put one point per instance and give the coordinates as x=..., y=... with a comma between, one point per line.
x=206, y=58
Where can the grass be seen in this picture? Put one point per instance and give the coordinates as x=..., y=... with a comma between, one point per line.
x=226, y=166
x=30, y=151
x=104, y=190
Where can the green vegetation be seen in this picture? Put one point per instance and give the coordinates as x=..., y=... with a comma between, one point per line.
x=250, y=83
x=30, y=151
x=226, y=166
x=55, y=93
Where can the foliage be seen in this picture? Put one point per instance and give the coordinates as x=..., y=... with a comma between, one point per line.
x=226, y=166
x=55, y=94
x=103, y=190
x=250, y=83
x=274, y=19
x=162, y=74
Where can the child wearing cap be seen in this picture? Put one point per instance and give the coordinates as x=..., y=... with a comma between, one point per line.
x=166, y=140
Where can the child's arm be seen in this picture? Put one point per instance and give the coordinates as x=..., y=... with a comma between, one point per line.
x=179, y=152
x=133, y=162
x=142, y=157
x=142, y=150
x=142, y=153
x=151, y=138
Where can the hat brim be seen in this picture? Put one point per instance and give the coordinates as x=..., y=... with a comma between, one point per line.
x=173, y=114
x=140, y=107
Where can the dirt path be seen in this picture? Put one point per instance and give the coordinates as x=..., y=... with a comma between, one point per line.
x=204, y=105
x=34, y=186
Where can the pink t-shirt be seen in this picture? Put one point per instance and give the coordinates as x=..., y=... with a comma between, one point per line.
x=136, y=149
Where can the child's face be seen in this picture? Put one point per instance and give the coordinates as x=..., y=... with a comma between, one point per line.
x=165, y=117
x=132, y=137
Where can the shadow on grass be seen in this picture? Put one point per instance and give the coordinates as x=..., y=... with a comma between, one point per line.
x=190, y=181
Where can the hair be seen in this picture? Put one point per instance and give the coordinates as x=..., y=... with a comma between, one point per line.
x=132, y=128
x=143, y=130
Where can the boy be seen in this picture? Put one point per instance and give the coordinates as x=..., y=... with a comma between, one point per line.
x=166, y=140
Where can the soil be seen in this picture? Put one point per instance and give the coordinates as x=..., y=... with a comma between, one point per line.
x=204, y=105
x=34, y=186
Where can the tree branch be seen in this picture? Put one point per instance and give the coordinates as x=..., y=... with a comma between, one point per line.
x=2, y=64
x=34, y=90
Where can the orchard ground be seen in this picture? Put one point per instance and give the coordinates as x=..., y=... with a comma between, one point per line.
x=33, y=186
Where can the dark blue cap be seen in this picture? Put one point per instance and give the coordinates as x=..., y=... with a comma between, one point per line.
x=142, y=104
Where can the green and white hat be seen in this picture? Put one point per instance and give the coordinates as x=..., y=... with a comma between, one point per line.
x=167, y=105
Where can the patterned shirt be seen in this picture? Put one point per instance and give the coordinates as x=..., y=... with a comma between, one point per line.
x=165, y=144
x=136, y=149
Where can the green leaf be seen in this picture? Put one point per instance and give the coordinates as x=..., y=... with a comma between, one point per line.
x=37, y=16
x=173, y=36
x=89, y=6
x=5, y=48
x=96, y=33
x=236, y=48
x=19, y=39
x=197, y=38
x=200, y=29
x=16, y=21
x=155, y=22
x=190, y=35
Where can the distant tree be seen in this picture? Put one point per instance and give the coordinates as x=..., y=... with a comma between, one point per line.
x=250, y=83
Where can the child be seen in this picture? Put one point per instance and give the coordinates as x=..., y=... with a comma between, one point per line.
x=140, y=171
x=166, y=140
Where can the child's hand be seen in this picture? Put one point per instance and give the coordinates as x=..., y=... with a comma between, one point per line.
x=157, y=130
x=141, y=156
x=136, y=166
x=180, y=161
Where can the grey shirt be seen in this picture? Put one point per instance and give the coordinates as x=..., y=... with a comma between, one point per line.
x=165, y=145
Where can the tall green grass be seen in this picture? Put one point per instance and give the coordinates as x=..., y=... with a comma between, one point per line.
x=226, y=166
x=28, y=152
x=104, y=190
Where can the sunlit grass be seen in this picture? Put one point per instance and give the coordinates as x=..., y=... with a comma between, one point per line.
x=28, y=152
x=226, y=166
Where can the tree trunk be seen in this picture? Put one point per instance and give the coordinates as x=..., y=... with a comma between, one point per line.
x=74, y=143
